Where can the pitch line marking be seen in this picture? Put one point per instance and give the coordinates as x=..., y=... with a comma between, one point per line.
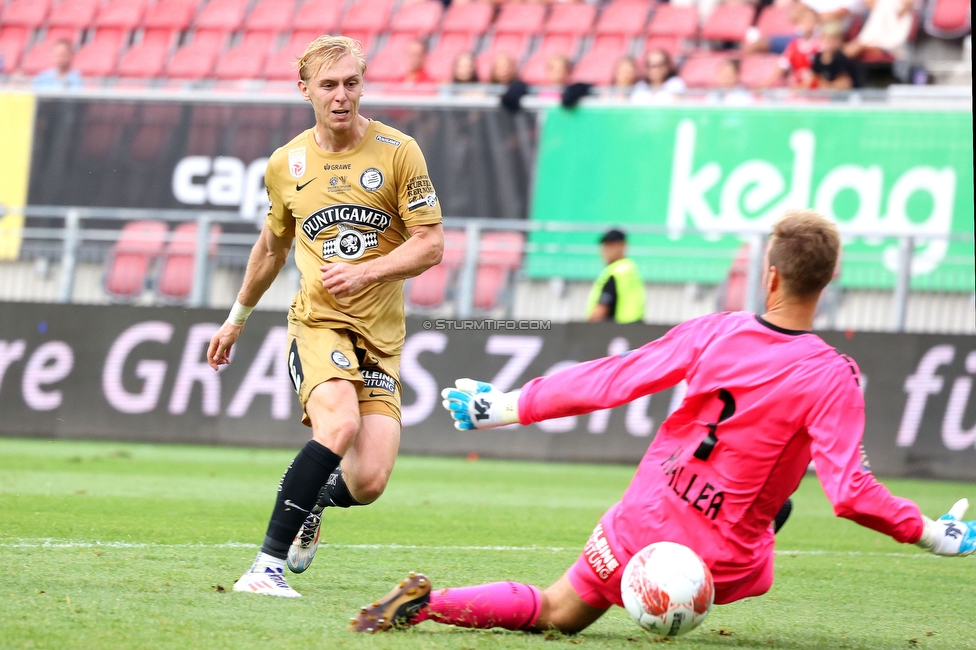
x=43, y=542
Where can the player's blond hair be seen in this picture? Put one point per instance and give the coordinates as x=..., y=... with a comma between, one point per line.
x=324, y=51
x=804, y=247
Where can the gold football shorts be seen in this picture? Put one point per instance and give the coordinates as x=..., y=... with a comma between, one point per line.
x=317, y=354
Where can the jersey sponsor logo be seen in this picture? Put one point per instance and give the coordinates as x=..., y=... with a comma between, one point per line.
x=371, y=179
x=386, y=140
x=295, y=367
x=420, y=193
x=339, y=184
x=301, y=186
x=694, y=491
x=377, y=379
x=336, y=168
x=346, y=213
x=349, y=244
x=296, y=162
x=340, y=359
x=599, y=555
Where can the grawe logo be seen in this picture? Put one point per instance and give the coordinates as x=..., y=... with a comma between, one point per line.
x=755, y=193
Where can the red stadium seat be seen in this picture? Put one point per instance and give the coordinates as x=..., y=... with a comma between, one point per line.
x=12, y=42
x=320, y=16
x=25, y=13
x=389, y=65
x=534, y=71
x=281, y=64
x=146, y=59
x=222, y=15
x=489, y=284
x=514, y=45
x=170, y=14
x=367, y=16
x=502, y=249
x=758, y=70
x=246, y=60
x=520, y=19
x=121, y=14
x=736, y=282
x=670, y=44
x=728, y=22
x=429, y=289
x=699, y=71
x=39, y=57
x=156, y=124
x=272, y=16
x=669, y=20
x=597, y=65
x=418, y=19
x=196, y=60
x=73, y=13
x=99, y=56
x=575, y=19
x=623, y=18
x=440, y=60
x=775, y=21
x=130, y=259
x=472, y=18
x=175, y=281
x=366, y=39
x=948, y=18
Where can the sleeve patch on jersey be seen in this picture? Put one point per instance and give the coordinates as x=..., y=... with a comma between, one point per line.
x=386, y=140
x=296, y=162
x=420, y=193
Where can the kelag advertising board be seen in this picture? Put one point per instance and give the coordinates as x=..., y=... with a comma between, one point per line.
x=139, y=374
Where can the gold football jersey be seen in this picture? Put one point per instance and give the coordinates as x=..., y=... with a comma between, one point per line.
x=351, y=206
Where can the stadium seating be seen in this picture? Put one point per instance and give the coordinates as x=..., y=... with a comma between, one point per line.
x=733, y=290
x=98, y=57
x=390, y=64
x=170, y=14
x=700, y=70
x=73, y=13
x=102, y=126
x=669, y=44
x=271, y=16
x=12, y=42
x=473, y=18
x=419, y=19
x=440, y=60
x=515, y=45
x=948, y=18
x=429, y=289
x=534, y=71
x=674, y=21
x=121, y=14
x=25, y=13
x=38, y=58
x=280, y=65
x=500, y=254
x=367, y=17
x=197, y=59
x=574, y=19
x=175, y=281
x=757, y=71
x=221, y=15
x=520, y=19
x=728, y=23
x=156, y=125
x=597, y=65
x=146, y=60
x=775, y=21
x=321, y=16
x=130, y=259
x=246, y=60
x=624, y=18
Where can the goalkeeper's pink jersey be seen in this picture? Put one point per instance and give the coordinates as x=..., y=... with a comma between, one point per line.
x=770, y=399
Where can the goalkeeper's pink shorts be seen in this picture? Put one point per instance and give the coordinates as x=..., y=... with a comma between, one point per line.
x=597, y=572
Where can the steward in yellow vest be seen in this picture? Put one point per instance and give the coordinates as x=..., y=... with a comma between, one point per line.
x=618, y=293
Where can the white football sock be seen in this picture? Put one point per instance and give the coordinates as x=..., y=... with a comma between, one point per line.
x=264, y=560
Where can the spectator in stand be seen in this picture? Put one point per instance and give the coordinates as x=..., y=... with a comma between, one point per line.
x=618, y=292
x=662, y=82
x=464, y=71
x=416, y=54
x=503, y=69
x=558, y=70
x=797, y=60
x=887, y=28
x=756, y=43
x=728, y=86
x=61, y=76
x=836, y=10
x=831, y=67
x=624, y=77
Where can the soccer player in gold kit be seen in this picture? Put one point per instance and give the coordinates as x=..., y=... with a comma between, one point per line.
x=356, y=195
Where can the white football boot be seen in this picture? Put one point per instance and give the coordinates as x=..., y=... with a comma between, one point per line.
x=302, y=550
x=266, y=580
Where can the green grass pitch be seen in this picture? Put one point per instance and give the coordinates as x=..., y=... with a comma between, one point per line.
x=136, y=546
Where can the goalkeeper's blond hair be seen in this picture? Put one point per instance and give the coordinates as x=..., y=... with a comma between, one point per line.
x=324, y=51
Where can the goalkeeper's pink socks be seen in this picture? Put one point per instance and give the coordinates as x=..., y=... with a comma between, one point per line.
x=509, y=605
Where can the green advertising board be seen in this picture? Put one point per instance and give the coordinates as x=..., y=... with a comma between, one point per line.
x=673, y=169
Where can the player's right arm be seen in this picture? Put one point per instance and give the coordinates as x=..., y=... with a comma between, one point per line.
x=268, y=256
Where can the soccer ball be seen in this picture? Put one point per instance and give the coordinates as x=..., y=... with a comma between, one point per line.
x=667, y=589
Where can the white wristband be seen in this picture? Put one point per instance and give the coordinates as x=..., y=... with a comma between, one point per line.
x=508, y=407
x=239, y=313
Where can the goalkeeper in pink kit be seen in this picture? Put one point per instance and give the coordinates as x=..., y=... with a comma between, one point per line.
x=764, y=397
